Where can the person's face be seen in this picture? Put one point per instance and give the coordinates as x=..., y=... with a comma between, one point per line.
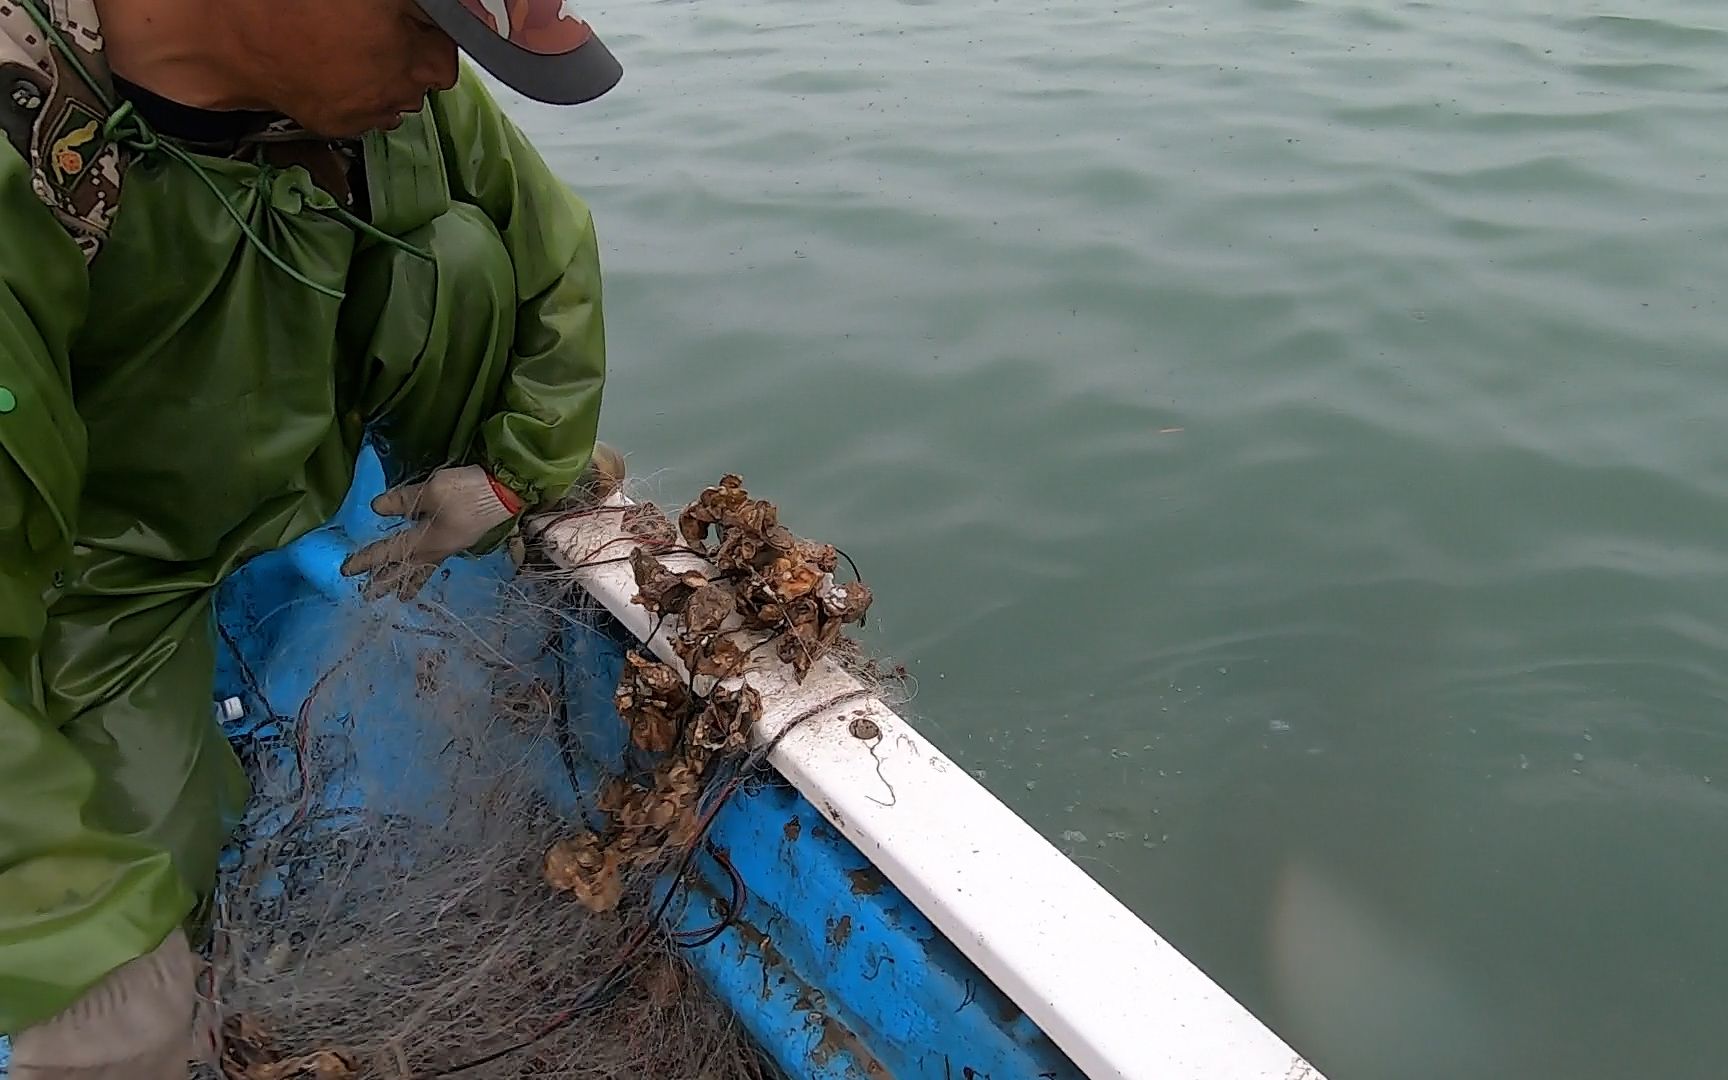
x=340, y=68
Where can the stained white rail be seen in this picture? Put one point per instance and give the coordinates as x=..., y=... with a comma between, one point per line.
x=1119, y=1000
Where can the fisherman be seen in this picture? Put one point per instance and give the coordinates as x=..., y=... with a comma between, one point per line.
x=236, y=238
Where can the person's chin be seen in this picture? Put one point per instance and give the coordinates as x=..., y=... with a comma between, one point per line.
x=391, y=118
x=354, y=125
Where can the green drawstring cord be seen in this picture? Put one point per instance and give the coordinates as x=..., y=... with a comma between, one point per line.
x=129, y=130
x=366, y=228
x=133, y=133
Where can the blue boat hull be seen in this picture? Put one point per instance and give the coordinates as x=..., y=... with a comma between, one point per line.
x=828, y=967
x=831, y=970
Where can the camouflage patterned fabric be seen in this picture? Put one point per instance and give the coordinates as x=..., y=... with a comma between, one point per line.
x=182, y=404
x=55, y=118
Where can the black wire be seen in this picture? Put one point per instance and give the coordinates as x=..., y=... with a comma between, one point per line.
x=710, y=934
x=562, y=730
x=695, y=939
x=586, y=564
x=249, y=676
x=612, y=980
x=864, y=619
x=856, y=576
x=596, y=997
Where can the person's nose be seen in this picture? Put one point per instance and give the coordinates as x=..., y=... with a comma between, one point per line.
x=436, y=66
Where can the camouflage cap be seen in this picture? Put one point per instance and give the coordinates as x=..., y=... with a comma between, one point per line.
x=538, y=47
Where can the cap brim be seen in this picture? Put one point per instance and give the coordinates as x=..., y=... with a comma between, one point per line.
x=571, y=78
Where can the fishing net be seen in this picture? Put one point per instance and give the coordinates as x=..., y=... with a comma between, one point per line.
x=458, y=858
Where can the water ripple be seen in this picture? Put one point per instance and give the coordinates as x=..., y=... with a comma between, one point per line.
x=1279, y=431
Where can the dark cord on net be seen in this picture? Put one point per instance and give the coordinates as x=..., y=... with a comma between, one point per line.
x=602, y=990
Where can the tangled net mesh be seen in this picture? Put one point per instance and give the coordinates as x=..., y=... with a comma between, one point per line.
x=380, y=932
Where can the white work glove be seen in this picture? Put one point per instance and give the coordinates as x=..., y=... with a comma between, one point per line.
x=136, y=1024
x=452, y=511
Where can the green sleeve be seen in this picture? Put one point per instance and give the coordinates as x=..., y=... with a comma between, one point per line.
x=74, y=902
x=542, y=431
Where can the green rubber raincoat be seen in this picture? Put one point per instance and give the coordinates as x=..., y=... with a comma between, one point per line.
x=180, y=404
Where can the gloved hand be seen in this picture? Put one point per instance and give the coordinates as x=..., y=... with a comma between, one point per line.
x=136, y=1024
x=453, y=510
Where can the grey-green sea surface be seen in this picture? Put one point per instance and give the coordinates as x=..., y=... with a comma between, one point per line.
x=1287, y=442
